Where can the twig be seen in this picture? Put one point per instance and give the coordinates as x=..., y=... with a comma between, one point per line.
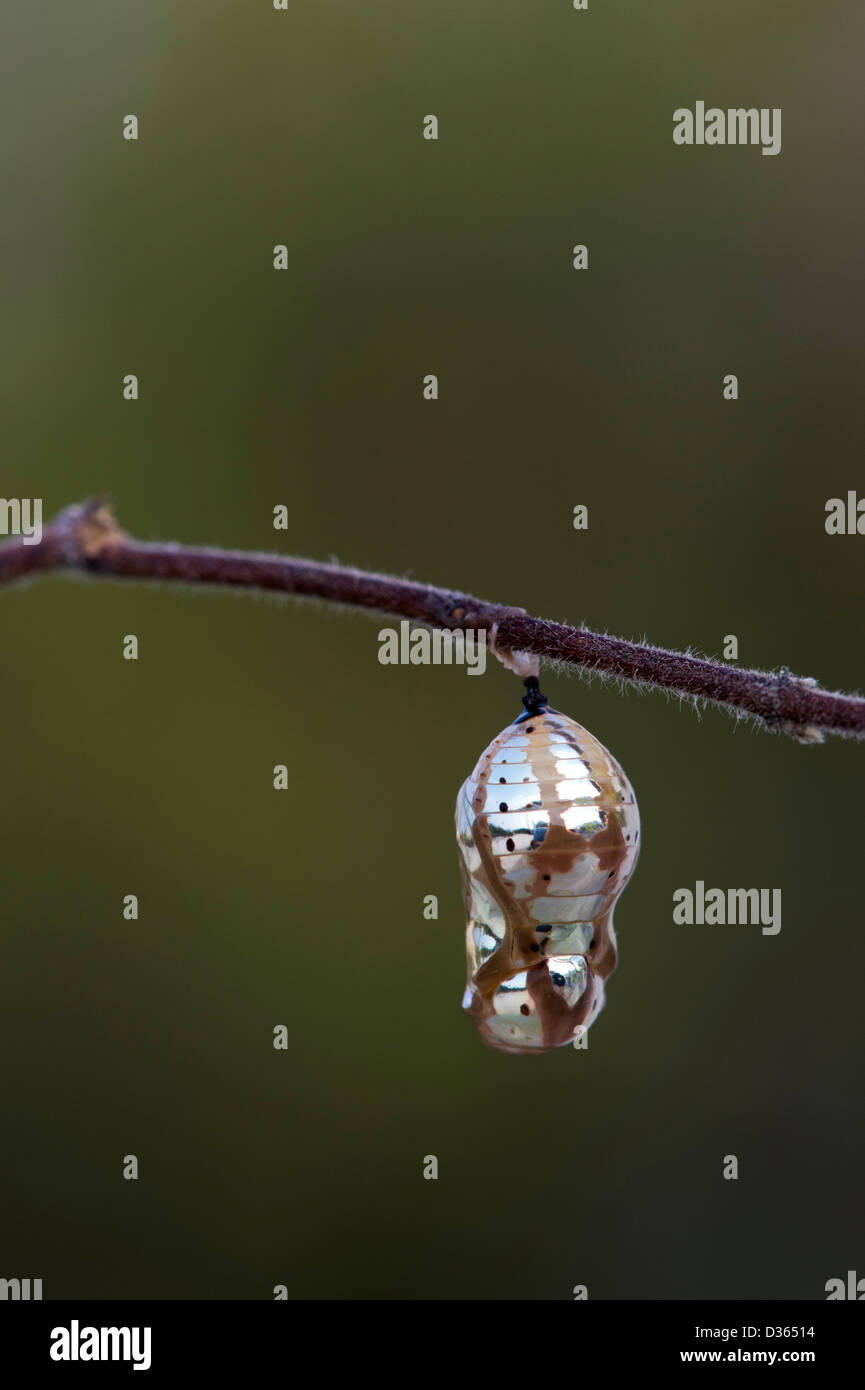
x=87, y=538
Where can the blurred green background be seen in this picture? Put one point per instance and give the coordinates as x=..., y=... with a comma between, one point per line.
x=304, y=387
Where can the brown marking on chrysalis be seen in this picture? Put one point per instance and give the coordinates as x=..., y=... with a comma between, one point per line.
x=519, y=931
x=560, y=1020
x=602, y=955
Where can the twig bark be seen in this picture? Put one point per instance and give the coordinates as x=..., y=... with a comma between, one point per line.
x=87, y=538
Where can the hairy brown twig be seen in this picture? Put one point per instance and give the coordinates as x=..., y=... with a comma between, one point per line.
x=86, y=538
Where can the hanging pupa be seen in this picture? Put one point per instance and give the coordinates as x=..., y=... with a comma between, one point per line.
x=548, y=834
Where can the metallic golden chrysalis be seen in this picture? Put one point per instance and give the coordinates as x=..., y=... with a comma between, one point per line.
x=548, y=834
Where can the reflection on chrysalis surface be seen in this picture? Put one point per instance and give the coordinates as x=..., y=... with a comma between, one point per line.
x=515, y=1024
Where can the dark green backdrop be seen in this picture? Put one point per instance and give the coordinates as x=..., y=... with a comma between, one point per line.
x=304, y=387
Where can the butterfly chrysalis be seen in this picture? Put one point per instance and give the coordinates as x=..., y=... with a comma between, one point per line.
x=548, y=834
